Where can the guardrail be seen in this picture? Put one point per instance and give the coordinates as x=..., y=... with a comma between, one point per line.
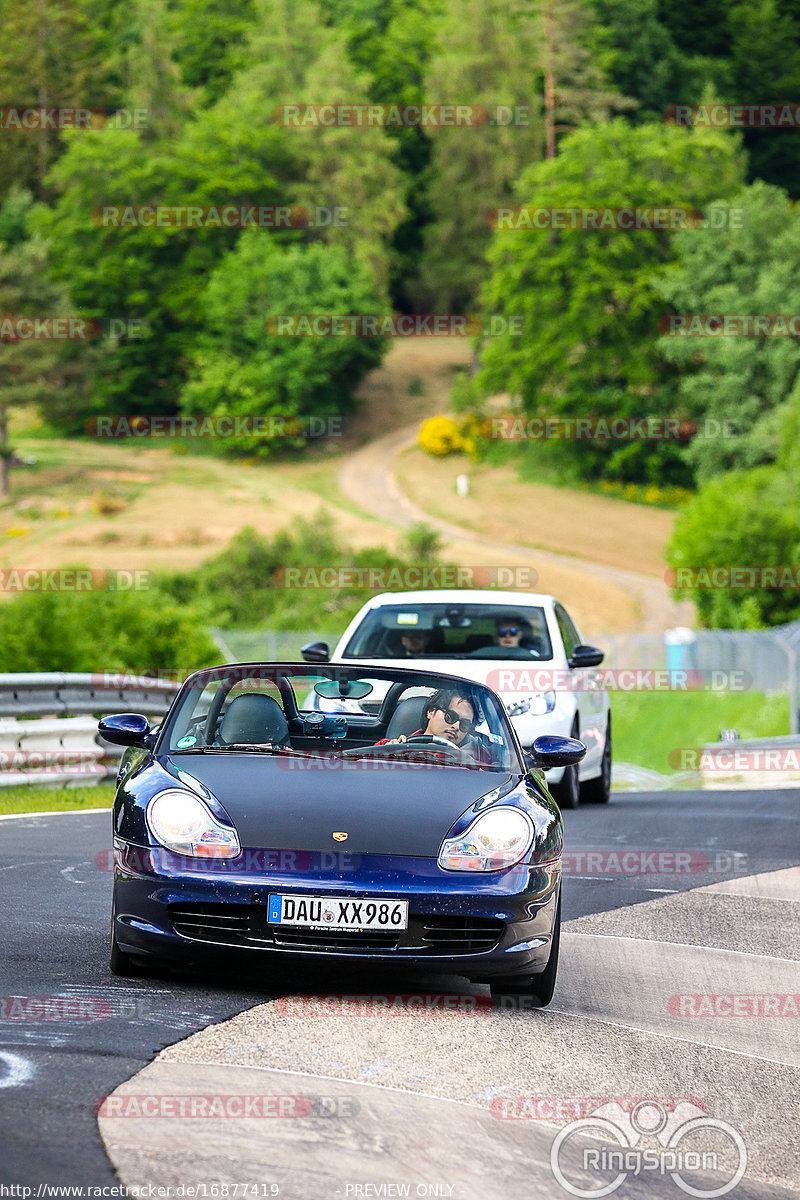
x=753, y=762
x=58, y=743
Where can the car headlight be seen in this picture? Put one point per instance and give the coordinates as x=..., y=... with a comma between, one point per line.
x=496, y=840
x=181, y=822
x=537, y=706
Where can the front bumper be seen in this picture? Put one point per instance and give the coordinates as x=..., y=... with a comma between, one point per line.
x=481, y=926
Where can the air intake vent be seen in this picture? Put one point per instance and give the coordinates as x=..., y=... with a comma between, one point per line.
x=461, y=935
x=229, y=924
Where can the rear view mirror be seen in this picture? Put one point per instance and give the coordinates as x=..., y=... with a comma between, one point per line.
x=342, y=689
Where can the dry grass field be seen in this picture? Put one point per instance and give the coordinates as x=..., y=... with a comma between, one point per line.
x=151, y=505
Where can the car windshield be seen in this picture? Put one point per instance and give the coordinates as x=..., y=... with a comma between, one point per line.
x=452, y=631
x=345, y=713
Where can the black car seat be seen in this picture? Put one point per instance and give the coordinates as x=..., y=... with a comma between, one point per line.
x=408, y=717
x=254, y=719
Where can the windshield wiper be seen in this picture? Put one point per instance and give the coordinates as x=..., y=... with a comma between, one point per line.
x=251, y=747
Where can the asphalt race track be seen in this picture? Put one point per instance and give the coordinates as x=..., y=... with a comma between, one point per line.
x=674, y=904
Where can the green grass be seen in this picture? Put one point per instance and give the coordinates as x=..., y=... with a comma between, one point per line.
x=30, y=798
x=648, y=726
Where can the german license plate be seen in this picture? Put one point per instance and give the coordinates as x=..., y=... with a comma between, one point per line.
x=318, y=912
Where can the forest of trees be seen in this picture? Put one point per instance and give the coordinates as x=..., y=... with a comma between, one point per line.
x=196, y=86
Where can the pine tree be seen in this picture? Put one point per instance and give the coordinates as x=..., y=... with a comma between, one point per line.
x=487, y=57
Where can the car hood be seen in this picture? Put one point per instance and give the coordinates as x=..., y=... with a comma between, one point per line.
x=386, y=810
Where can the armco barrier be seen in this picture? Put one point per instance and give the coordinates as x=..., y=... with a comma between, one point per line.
x=63, y=745
x=752, y=762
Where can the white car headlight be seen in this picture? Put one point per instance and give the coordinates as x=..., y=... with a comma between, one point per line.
x=181, y=822
x=537, y=706
x=496, y=840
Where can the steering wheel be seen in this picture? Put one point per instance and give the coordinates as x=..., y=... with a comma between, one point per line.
x=433, y=739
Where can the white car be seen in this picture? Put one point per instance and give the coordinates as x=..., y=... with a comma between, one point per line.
x=524, y=645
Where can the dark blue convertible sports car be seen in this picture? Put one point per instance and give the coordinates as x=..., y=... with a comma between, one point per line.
x=354, y=812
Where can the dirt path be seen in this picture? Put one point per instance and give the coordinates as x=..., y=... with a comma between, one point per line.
x=603, y=597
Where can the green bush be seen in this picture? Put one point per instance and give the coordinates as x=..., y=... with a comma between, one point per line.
x=742, y=519
x=248, y=586
x=130, y=632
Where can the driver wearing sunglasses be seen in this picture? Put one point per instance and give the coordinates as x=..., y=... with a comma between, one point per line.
x=449, y=715
x=508, y=631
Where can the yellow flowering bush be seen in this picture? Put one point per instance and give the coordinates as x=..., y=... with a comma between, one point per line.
x=440, y=436
x=444, y=435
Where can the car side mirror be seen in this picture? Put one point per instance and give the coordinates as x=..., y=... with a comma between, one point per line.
x=316, y=652
x=552, y=750
x=126, y=729
x=586, y=656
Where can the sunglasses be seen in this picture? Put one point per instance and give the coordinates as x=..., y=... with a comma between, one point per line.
x=452, y=718
x=508, y=631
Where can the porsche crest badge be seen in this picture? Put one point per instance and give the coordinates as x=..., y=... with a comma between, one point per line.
x=340, y=837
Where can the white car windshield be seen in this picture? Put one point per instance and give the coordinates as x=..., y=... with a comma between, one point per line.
x=452, y=630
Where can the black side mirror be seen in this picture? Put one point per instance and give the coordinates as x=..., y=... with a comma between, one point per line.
x=126, y=729
x=551, y=750
x=586, y=656
x=316, y=652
